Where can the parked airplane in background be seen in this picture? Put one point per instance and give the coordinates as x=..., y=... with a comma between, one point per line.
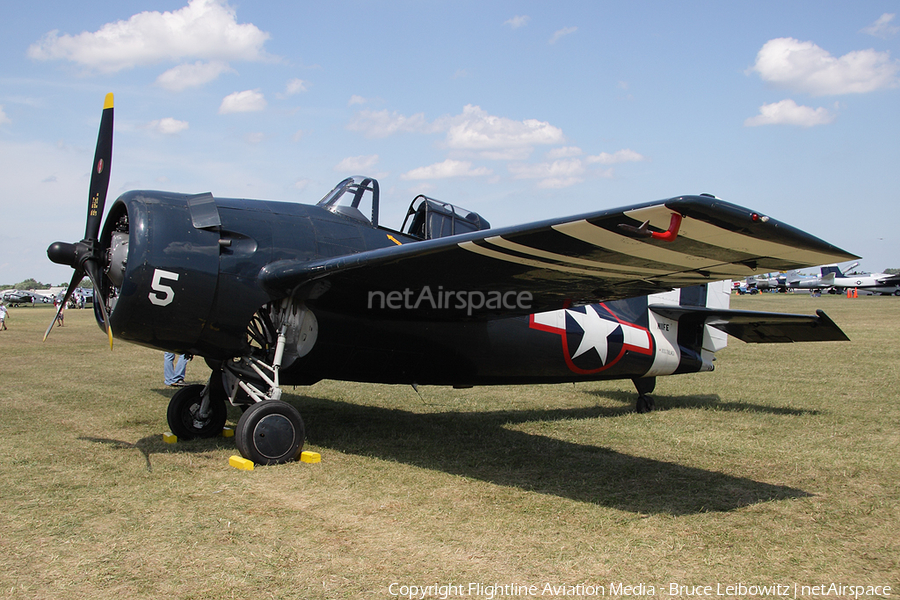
x=765, y=282
x=795, y=281
x=276, y=293
x=17, y=297
x=833, y=279
x=877, y=283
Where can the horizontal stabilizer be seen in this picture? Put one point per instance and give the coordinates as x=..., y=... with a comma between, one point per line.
x=757, y=327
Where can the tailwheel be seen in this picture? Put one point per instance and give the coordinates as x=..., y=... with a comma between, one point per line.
x=270, y=433
x=196, y=411
x=644, y=386
x=645, y=404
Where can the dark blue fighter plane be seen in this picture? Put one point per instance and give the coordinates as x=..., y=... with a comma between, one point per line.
x=273, y=294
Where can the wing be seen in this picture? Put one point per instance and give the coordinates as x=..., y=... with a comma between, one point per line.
x=600, y=256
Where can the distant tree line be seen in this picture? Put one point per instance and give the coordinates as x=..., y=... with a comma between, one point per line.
x=33, y=284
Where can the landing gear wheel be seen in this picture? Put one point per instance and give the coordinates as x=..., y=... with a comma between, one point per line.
x=270, y=433
x=644, y=386
x=184, y=417
x=645, y=404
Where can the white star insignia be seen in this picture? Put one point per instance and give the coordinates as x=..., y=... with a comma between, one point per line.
x=596, y=332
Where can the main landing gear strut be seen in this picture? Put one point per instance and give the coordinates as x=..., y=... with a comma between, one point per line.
x=269, y=432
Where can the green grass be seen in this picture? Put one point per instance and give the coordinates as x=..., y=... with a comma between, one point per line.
x=779, y=467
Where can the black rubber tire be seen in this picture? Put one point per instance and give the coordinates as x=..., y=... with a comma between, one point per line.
x=183, y=409
x=645, y=404
x=270, y=433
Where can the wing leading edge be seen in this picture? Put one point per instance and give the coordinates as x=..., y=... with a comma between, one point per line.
x=587, y=258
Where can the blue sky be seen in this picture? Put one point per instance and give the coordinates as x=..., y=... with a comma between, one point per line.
x=518, y=110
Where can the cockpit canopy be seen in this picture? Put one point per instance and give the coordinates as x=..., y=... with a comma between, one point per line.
x=435, y=219
x=357, y=198
x=351, y=197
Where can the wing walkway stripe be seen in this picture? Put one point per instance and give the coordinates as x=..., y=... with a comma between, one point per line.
x=473, y=247
x=522, y=249
x=587, y=232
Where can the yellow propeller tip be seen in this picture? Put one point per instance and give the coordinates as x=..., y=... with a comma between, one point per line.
x=108, y=102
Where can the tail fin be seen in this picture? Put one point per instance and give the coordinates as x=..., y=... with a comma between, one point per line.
x=833, y=270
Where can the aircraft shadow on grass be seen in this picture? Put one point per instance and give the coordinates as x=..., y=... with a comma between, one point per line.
x=481, y=446
x=154, y=444
x=702, y=401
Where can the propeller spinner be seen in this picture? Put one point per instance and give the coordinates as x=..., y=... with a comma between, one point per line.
x=86, y=256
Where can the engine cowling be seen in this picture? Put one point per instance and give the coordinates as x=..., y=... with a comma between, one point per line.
x=162, y=275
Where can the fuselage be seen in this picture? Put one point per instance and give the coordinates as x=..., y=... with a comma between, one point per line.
x=184, y=277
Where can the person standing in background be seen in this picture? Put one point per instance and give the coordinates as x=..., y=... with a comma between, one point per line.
x=174, y=368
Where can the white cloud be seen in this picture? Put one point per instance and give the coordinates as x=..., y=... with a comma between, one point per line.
x=564, y=152
x=561, y=33
x=448, y=168
x=804, y=67
x=882, y=28
x=354, y=99
x=357, y=164
x=787, y=112
x=476, y=130
x=558, y=183
x=568, y=171
x=619, y=156
x=246, y=101
x=192, y=75
x=476, y=133
x=254, y=138
x=556, y=174
x=3, y=118
x=518, y=21
x=295, y=86
x=168, y=126
x=495, y=138
x=381, y=123
x=204, y=29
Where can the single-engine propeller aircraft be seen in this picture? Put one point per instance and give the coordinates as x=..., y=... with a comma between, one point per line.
x=273, y=294
x=17, y=297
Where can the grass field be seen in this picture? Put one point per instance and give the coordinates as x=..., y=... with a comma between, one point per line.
x=779, y=468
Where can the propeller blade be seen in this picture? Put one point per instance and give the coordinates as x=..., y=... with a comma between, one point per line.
x=93, y=271
x=85, y=256
x=100, y=171
x=76, y=279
